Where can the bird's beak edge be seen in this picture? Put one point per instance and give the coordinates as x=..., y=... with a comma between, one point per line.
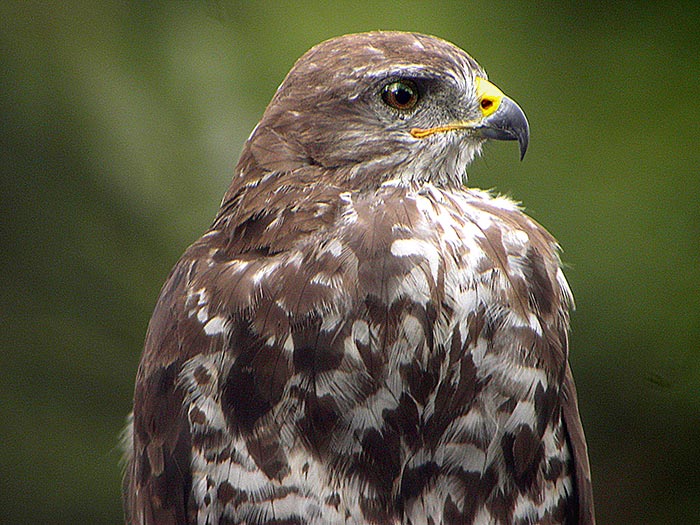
x=502, y=118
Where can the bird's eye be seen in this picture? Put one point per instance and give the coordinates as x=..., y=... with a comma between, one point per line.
x=402, y=94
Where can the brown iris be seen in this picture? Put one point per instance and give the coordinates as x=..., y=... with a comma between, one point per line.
x=402, y=94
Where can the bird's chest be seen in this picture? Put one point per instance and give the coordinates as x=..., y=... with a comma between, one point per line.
x=410, y=363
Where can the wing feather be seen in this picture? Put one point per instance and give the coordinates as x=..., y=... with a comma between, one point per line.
x=579, y=450
x=157, y=478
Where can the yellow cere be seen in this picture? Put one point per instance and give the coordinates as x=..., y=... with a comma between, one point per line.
x=489, y=96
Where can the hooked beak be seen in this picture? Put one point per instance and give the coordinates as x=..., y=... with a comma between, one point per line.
x=507, y=123
x=503, y=118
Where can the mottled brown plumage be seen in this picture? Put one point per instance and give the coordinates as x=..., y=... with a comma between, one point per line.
x=358, y=338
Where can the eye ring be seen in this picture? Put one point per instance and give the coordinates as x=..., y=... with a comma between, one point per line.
x=401, y=94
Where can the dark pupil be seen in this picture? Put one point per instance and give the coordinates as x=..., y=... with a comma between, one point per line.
x=403, y=95
x=400, y=95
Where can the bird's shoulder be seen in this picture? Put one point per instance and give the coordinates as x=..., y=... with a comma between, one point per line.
x=319, y=252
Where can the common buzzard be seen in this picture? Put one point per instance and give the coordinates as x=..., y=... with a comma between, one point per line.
x=359, y=338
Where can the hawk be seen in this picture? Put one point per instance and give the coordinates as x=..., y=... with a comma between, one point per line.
x=359, y=338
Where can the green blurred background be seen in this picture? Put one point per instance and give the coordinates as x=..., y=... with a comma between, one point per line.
x=121, y=125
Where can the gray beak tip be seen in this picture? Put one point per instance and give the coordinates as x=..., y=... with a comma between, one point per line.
x=523, y=141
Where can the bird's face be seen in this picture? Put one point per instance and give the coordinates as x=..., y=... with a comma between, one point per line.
x=388, y=104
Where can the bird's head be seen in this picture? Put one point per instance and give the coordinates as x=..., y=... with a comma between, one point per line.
x=385, y=105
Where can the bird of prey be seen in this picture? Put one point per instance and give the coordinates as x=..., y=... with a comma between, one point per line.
x=359, y=338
